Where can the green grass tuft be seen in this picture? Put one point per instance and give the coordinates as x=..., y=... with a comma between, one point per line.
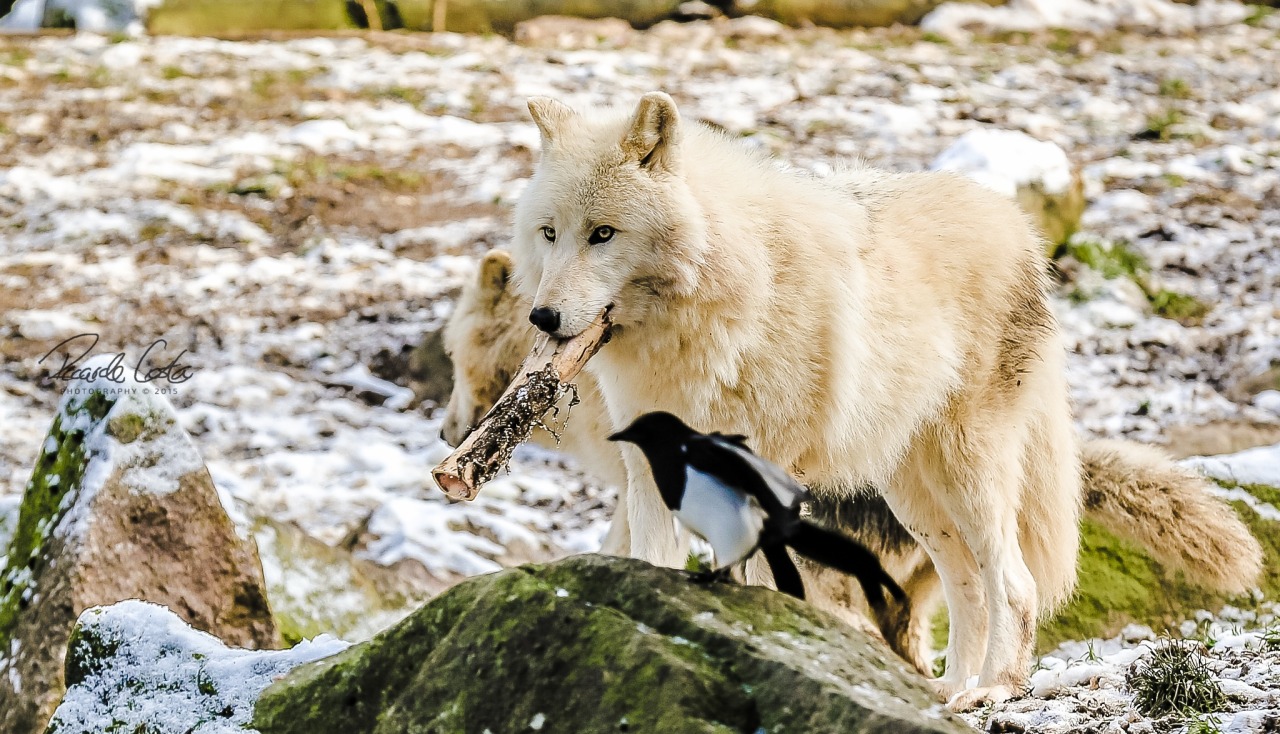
x=1176, y=88
x=1257, y=14
x=1204, y=725
x=1162, y=125
x=1178, y=306
x=1175, y=679
x=1111, y=259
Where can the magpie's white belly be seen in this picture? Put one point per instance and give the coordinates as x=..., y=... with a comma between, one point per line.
x=720, y=514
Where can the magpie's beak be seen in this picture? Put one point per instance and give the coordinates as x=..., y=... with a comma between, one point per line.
x=623, y=435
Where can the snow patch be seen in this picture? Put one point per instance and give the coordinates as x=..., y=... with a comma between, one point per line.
x=155, y=461
x=957, y=20
x=165, y=676
x=1004, y=160
x=1259, y=465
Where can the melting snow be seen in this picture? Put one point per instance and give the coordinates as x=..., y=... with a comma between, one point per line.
x=166, y=676
x=1003, y=160
x=1253, y=466
x=956, y=19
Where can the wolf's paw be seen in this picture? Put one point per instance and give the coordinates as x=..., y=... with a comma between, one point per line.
x=944, y=688
x=973, y=698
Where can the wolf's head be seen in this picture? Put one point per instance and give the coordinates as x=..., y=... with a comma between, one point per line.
x=608, y=219
x=486, y=338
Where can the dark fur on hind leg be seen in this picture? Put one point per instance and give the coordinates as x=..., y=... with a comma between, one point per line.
x=836, y=551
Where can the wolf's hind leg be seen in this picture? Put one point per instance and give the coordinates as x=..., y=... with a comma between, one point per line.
x=982, y=502
x=927, y=521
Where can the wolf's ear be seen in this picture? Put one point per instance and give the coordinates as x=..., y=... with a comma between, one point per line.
x=654, y=136
x=495, y=272
x=550, y=116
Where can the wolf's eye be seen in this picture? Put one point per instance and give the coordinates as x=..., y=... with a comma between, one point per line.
x=548, y=234
x=601, y=235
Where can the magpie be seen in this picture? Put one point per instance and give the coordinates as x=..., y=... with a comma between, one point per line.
x=741, y=503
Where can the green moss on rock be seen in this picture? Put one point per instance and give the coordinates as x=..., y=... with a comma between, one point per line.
x=56, y=472
x=87, y=653
x=595, y=644
x=203, y=17
x=1120, y=584
x=1120, y=260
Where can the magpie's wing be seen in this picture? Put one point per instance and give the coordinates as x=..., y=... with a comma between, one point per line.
x=776, y=490
x=736, y=439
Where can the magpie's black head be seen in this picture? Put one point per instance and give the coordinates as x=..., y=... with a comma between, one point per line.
x=654, y=428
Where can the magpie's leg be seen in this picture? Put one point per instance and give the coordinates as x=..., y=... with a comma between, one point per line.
x=716, y=576
x=785, y=575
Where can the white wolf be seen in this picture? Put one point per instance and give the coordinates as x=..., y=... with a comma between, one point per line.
x=1132, y=490
x=870, y=329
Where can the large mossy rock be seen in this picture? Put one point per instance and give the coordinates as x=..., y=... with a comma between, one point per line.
x=597, y=644
x=1120, y=584
x=119, y=506
x=200, y=17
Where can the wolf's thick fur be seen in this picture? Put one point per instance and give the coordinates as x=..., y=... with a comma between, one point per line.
x=877, y=329
x=1133, y=490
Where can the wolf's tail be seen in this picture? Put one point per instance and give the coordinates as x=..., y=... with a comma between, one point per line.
x=1138, y=493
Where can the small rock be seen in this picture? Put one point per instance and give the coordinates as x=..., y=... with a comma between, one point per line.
x=316, y=588
x=1035, y=173
x=140, y=667
x=753, y=26
x=1137, y=633
x=1245, y=388
x=560, y=31
x=697, y=10
x=425, y=369
x=1268, y=400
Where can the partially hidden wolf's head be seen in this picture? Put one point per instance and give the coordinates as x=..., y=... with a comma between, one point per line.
x=607, y=220
x=486, y=337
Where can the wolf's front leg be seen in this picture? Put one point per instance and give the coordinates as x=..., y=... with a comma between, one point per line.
x=653, y=529
x=617, y=542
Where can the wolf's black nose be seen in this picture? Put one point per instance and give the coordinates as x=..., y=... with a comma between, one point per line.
x=546, y=319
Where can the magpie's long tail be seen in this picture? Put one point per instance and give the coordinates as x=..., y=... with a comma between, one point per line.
x=843, y=554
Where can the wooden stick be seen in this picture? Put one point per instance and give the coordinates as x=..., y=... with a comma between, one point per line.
x=538, y=384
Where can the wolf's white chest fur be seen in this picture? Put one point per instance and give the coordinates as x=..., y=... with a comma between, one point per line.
x=725, y=517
